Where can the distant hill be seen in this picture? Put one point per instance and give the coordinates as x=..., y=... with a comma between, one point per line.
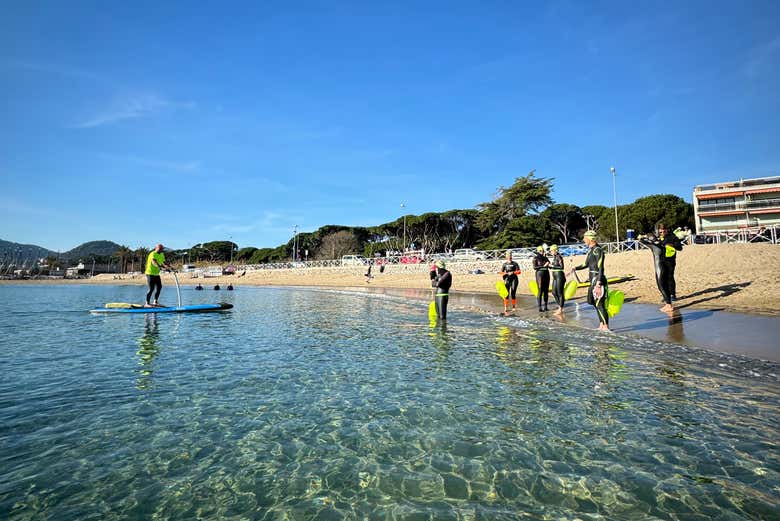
x=14, y=251
x=88, y=249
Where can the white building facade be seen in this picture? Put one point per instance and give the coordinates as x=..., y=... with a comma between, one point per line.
x=747, y=204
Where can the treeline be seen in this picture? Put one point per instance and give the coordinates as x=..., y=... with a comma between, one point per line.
x=521, y=215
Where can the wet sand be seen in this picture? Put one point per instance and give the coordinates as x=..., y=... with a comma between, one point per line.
x=753, y=336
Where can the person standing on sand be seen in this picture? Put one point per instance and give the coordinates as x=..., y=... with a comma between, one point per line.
x=509, y=271
x=441, y=280
x=542, y=268
x=154, y=263
x=559, y=277
x=368, y=273
x=597, y=290
x=662, y=275
x=671, y=244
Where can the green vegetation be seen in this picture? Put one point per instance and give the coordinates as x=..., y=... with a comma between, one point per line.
x=521, y=215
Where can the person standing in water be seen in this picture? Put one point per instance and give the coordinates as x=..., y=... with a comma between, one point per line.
x=671, y=244
x=559, y=278
x=441, y=280
x=597, y=290
x=510, y=270
x=542, y=268
x=154, y=263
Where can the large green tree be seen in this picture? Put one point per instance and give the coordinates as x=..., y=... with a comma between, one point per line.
x=528, y=194
x=644, y=214
x=566, y=219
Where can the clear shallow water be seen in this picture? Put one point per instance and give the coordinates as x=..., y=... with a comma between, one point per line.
x=330, y=405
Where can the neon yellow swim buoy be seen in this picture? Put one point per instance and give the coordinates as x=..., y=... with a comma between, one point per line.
x=534, y=287
x=432, y=311
x=614, y=302
x=501, y=288
x=569, y=289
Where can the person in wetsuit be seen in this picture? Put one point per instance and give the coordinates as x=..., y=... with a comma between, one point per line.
x=542, y=269
x=441, y=280
x=510, y=270
x=368, y=273
x=598, y=290
x=662, y=250
x=672, y=244
x=559, y=277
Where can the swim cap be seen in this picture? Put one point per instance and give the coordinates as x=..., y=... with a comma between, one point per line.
x=590, y=234
x=554, y=247
x=509, y=253
x=540, y=248
x=440, y=264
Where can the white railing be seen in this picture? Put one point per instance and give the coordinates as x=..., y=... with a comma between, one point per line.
x=753, y=234
x=523, y=256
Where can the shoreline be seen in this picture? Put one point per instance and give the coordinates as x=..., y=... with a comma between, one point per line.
x=724, y=277
x=751, y=335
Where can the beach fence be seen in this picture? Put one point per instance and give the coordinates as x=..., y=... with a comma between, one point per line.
x=487, y=260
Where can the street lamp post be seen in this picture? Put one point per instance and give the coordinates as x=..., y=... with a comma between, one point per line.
x=614, y=192
x=295, y=243
x=404, y=243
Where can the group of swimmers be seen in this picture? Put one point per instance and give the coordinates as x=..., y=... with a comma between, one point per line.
x=216, y=287
x=550, y=260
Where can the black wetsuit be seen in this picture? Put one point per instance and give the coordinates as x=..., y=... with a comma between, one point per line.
x=441, y=280
x=542, y=268
x=559, y=278
x=155, y=286
x=663, y=275
x=672, y=244
x=510, y=269
x=595, y=264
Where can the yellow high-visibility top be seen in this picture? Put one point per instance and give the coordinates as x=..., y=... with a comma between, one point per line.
x=151, y=269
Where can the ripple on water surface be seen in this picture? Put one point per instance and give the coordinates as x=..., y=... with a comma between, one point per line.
x=331, y=405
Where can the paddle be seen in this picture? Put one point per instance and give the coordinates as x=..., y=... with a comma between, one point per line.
x=178, y=291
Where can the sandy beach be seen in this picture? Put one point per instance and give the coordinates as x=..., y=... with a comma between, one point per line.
x=731, y=277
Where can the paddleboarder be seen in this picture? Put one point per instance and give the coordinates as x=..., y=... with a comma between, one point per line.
x=154, y=263
x=597, y=291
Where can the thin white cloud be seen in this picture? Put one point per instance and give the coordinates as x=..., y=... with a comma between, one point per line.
x=233, y=228
x=132, y=107
x=176, y=166
x=763, y=58
x=57, y=70
x=269, y=222
x=17, y=207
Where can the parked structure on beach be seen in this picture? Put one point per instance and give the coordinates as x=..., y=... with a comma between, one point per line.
x=747, y=205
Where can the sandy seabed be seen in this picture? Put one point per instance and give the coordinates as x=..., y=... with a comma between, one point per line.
x=731, y=277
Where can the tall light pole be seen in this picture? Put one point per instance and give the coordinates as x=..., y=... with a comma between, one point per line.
x=295, y=243
x=404, y=244
x=614, y=192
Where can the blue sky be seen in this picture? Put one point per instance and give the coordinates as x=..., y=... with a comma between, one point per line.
x=156, y=122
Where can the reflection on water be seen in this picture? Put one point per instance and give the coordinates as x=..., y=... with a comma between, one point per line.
x=675, y=332
x=148, y=349
x=301, y=404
